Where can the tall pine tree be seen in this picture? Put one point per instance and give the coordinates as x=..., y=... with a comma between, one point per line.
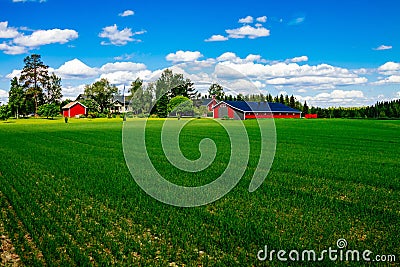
x=34, y=76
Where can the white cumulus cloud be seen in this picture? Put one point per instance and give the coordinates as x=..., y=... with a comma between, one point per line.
x=122, y=66
x=184, y=56
x=3, y=93
x=217, y=38
x=339, y=97
x=19, y=43
x=248, y=31
x=252, y=58
x=75, y=69
x=262, y=19
x=127, y=13
x=228, y=56
x=389, y=80
x=44, y=37
x=13, y=49
x=126, y=77
x=118, y=37
x=248, y=19
x=14, y=73
x=299, y=59
x=283, y=74
x=245, y=31
x=389, y=68
x=3, y=97
x=7, y=32
x=72, y=92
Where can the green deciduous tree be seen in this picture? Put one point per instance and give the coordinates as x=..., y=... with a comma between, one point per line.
x=52, y=90
x=5, y=112
x=180, y=104
x=16, y=98
x=49, y=110
x=102, y=92
x=91, y=104
x=141, y=101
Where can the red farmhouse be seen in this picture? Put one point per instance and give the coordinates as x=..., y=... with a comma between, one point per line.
x=74, y=108
x=242, y=110
x=209, y=103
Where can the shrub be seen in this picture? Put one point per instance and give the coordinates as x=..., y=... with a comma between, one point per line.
x=5, y=112
x=92, y=115
x=143, y=115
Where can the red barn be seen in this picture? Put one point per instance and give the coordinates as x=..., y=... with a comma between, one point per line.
x=74, y=108
x=209, y=103
x=242, y=110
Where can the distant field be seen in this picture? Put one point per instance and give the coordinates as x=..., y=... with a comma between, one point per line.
x=67, y=197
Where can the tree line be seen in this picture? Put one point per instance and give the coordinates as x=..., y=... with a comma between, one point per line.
x=380, y=110
x=38, y=92
x=35, y=92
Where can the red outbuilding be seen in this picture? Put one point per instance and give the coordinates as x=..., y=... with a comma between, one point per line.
x=311, y=116
x=242, y=110
x=73, y=109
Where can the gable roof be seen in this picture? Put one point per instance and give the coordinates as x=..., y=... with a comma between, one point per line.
x=206, y=101
x=259, y=106
x=70, y=105
x=81, y=97
x=120, y=99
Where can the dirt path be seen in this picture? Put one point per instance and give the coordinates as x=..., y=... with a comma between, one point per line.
x=8, y=257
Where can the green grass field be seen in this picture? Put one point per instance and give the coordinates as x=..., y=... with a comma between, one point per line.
x=67, y=197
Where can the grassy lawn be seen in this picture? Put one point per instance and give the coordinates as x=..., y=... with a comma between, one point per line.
x=67, y=197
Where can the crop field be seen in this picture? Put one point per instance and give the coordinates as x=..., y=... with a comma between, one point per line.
x=68, y=198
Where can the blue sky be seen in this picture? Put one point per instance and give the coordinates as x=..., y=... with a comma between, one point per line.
x=328, y=53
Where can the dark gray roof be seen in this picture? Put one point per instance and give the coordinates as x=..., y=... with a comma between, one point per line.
x=260, y=106
x=120, y=99
x=81, y=97
x=115, y=98
x=205, y=101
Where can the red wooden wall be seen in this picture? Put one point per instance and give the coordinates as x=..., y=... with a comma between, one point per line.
x=77, y=109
